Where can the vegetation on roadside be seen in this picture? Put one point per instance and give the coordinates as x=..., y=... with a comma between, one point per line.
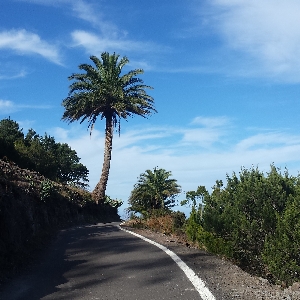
x=56, y=161
x=164, y=221
x=42, y=188
x=32, y=207
x=254, y=220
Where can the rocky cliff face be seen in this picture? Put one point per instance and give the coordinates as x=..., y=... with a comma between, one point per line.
x=32, y=206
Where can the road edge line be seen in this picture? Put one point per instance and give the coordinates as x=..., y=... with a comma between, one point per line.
x=197, y=282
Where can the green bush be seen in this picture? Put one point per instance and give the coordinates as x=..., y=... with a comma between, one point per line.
x=193, y=225
x=282, y=250
x=244, y=212
x=214, y=244
x=254, y=219
x=46, y=189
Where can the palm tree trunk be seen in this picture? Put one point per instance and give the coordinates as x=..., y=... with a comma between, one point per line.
x=98, y=193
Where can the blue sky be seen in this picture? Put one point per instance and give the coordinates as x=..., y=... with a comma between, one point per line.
x=226, y=78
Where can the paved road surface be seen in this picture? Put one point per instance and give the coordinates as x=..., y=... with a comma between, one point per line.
x=101, y=262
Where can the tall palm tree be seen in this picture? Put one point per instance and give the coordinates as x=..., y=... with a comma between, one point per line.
x=102, y=91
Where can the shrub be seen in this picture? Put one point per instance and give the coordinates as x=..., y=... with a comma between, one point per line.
x=46, y=189
x=213, y=244
x=281, y=250
x=192, y=225
x=245, y=211
x=163, y=224
x=159, y=220
x=179, y=219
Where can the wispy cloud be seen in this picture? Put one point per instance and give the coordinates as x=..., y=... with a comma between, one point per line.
x=206, y=131
x=25, y=42
x=7, y=106
x=94, y=43
x=86, y=11
x=267, y=140
x=251, y=38
x=256, y=38
x=20, y=74
x=95, y=17
x=104, y=35
x=202, y=137
x=211, y=121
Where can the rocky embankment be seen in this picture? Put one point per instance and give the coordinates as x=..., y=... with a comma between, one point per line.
x=33, y=207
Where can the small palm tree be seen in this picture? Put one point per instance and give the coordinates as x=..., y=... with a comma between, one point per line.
x=101, y=91
x=154, y=190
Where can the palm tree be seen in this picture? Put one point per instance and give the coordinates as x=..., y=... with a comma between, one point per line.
x=101, y=91
x=154, y=190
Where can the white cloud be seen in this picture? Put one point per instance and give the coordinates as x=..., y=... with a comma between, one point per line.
x=107, y=35
x=88, y=13
x=267, y=140
x=94, y=43
x=266, y=32
x=20, y=74
x=210, y=132
x=31, y=106
x=85, y=11
x=203, y=137
x=134, y=136
x=211, y=122
x=7, y=106
x=29, y=43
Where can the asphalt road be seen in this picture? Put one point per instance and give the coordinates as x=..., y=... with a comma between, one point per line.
x=101, y=262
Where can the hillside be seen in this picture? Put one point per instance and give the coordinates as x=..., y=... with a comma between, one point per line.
x=32, y=208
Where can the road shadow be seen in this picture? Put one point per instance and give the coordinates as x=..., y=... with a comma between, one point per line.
x=84, y=254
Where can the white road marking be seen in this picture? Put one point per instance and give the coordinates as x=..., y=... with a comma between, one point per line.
x=199, y=285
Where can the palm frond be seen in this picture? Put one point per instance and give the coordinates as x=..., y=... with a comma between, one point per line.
x=101, y=91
